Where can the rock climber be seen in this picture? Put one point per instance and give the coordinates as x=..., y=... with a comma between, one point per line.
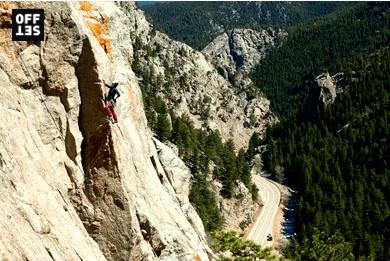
x=110, y=101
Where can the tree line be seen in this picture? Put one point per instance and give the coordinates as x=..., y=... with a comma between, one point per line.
x=198, y=23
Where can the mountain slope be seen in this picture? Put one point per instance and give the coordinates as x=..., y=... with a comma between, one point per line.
x=316, y=47
x=189, y=103
x=236, y=53
x=198, y=23
x=189, y=84
x=333, y=150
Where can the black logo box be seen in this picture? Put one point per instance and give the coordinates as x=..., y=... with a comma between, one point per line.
x=23, y=26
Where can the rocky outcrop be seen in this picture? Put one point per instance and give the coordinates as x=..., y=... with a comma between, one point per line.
x=178, y=176
x=74, y=186
x=330, y=86
x=240, y=50
x=238, y=211
x=190, y=84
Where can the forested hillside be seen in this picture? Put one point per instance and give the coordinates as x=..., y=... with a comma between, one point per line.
x=335, y=155
x=198, y=23
x=316, y=47
x=338, y=161
x=198, y=149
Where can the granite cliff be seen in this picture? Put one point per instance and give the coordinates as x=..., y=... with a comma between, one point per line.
x=238, y=51
x=73, y=185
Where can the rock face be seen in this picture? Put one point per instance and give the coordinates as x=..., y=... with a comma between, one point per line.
x=240, y=50
x=238, y=211
x=73, y=186
x=330, y=86
x=190, y=84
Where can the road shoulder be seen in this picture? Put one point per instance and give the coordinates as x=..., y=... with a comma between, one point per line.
x=280, y=243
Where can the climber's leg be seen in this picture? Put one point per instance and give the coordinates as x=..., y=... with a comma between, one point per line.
x=113, y=112
x=107, y=109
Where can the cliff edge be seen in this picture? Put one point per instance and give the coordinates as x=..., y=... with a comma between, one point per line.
x=73, y=185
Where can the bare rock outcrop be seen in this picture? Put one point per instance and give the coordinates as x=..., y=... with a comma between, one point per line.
x=238, y=211
x=74, y=186
x=330, y=86
x=240, y=50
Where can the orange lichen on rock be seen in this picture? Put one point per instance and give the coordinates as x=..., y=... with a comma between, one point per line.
x=86, y=6
x=196, y=257
x=101, y=31
x=100, y=27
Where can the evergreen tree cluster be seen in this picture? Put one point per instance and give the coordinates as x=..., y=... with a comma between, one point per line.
x=312, y=48
x=199, y=148
x=337, y=155
x=319, y=246
x=240, y=249
x=339, y=161
x=198, y=23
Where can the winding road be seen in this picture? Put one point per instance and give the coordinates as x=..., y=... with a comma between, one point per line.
x=264, y=223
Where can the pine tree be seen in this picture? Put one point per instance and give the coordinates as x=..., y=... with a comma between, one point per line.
x=163, y=127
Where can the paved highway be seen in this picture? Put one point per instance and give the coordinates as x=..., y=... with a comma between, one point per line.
x=264, y=223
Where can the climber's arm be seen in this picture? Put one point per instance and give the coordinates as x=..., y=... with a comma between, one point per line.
x=118, y=94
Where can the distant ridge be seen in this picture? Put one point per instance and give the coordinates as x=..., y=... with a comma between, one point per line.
x=198, y=23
